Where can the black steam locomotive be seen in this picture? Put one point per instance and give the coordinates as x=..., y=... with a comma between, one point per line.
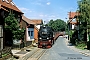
x=45, y=37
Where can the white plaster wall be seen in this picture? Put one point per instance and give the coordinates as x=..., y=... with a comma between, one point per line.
x=72, y=26
x=28, y=37
x=16, y=41
x=38, y=26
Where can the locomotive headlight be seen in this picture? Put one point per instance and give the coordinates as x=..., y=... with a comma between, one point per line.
x=40, y=38
x=47, y=38
x=53, y=35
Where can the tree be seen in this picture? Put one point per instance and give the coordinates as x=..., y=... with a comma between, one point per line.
x=12, y=26
x=84, y=10
x=84, y=17
x=57, y=25
x=11, y=23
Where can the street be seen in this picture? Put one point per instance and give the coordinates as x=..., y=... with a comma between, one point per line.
x=60, y=51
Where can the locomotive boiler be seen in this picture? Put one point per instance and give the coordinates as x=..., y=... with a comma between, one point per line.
x=45, y=37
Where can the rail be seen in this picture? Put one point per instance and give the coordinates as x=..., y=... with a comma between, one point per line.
x=37, y=55
x=34, y=55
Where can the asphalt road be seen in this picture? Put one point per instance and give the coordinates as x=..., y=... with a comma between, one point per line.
x=60, y=51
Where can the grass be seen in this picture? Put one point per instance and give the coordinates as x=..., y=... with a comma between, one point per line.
x=81, y=45
x=5, y=54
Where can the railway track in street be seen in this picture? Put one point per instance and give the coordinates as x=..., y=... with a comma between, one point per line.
x=35, y=55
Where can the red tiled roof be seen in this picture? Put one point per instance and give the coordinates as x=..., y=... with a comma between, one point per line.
x=72, y=15
x=37, y=21
x=9, y=5
x=32, y=21
x=27, y=20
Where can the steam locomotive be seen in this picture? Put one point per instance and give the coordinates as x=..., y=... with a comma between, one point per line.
x=45, y=37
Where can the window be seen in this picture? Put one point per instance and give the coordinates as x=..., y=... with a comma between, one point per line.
x=31, y=33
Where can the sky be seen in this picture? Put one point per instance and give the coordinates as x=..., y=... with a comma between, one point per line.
x=46, y=9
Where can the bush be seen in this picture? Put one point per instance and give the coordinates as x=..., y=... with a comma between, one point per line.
x=81, y=44
x=88, y=45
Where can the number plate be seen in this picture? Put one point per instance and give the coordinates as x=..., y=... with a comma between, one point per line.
x=44, y=32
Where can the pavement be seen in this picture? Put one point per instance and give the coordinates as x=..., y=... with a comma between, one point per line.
x=84, y=52
x=22, y=54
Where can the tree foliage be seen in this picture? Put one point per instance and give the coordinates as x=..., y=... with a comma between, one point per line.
x=57, y=25
x=84, y=9
x=84, y=17
x=12, y=25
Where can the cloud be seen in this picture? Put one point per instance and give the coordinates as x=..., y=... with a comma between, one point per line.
x=37, y=3
x=41, y=2
x=48, y=3
x=52, y=16
x=42, y=15
x=46, y=17
x=25, y=10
